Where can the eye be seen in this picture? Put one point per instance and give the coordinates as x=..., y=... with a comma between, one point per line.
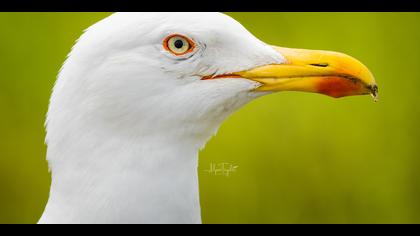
x=178, y=44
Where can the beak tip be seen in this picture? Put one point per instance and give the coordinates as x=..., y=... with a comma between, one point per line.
x=374, y=92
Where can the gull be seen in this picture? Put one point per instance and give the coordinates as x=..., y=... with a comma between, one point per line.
x=141, y=93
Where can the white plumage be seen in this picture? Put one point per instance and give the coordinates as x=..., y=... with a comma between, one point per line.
x=128, y=116
x=127, y=119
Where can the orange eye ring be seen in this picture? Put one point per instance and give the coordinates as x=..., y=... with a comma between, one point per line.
x=178, y=44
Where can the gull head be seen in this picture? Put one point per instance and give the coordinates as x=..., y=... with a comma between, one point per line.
x=149, y=72
x=141, y=93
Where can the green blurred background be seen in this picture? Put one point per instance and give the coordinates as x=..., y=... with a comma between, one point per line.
x=302, y=158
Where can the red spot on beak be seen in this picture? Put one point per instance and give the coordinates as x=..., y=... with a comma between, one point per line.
x=338, y=87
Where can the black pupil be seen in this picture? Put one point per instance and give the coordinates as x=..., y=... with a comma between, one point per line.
x=179, y=44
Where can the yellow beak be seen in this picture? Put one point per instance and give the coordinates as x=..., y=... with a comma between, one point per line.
x=330, y=73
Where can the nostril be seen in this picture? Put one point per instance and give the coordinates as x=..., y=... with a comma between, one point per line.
x=319, y=64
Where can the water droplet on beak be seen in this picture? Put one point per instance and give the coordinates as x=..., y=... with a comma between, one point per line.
x=374, y=93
